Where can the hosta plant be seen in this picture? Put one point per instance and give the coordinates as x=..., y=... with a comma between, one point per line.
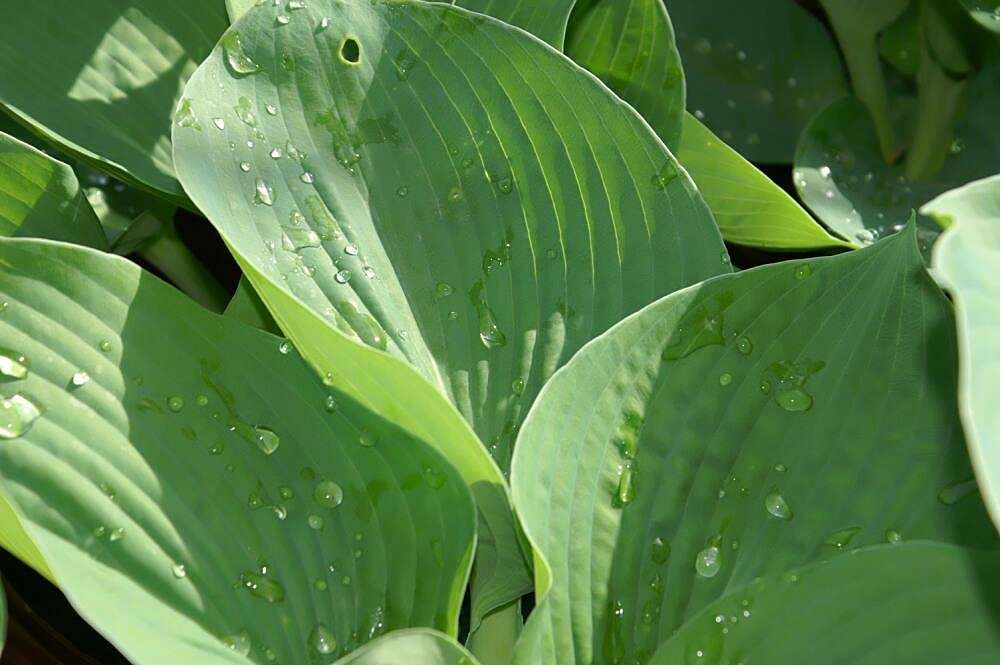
x=391, y=331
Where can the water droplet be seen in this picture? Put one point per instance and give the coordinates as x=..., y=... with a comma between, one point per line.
x=201, y=400
x=435, y=479
x=841, y=539
x=707, y=563
x=239, y=642
x=116, y=534
x=443, y=290
x=700, y=326
x=296, y=4
x=295, y=238
x=825, y=172
x=315, y=522
x=958, y=145
x=351, y=250
x=776, y=505
x=186, y=116
x=219, y=123
x=803, y=271
x=263, y=193
x=660, y=551
x=955, y=492
x=790, y=378
x=343, y=276
x=668, y=172
x=271, y=109
x=178, y=570
x=263, y=586
x=368, y=438
x=175, y=403
x=244, y=111
x=725, y=379
x=245, y=167
x=283, y=19
x=105, y=345
x=626, y=486
x=328, y=494
x=267, y=441
x=489, y=332
x=324, y=23
x=517, y=386
x=893, y=537
x=13, y=364
x=321, y=640
x=320, y=585
x=284, y=347
x=237, y=59
x=744, y=345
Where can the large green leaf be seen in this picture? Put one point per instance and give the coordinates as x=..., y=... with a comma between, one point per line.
x=915, y=603
x=195, y=471
x=985, y=12
x=41, y=197
x=841, y=175
x=417, y=646
x=472, y=203
x=743, y=427
x=546, y=19
x=749, y=207
x=966, y=260
x=101, y=78
x=630, y=46
x=756, y=71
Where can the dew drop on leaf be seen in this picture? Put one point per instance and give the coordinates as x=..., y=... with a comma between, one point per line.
x=236, y=58
x=178, y=570
x=315, y=522
x=700, y=326
x=955, y=492
x=660, y=551
x=708, y=561
x=265, y=438
x=841, y=539
x=79, y=378
x=239, y=642
x=13, y=364
x=321, y=640
x=893, y=537
x=175, y=403
x=744, y=345
x=328, y=494
x=263, y=193
x=263, y=586
x=776, y=505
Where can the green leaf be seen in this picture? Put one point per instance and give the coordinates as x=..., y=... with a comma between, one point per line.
x=743, y=427
x=101, y=79
x=966, y=260
x=857, y=24
x=480, y=220
x=756, y=71
x=246, y=306
x=237, y=8
x=919, y=603
x=841, y=176
x=41, y=197
x=630, y=46
x=418, y=646
x=985, y=12
x=749, y=207
x=188, y=426
x=546, y=19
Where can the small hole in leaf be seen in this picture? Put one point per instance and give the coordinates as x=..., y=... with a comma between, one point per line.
x=350, y=51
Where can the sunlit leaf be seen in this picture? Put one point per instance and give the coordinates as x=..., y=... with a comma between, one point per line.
x=100, y=79
x=196, y=471
x=744, y=427
x=967, y=261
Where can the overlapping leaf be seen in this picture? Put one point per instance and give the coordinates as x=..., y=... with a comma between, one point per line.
x=101, y=78
x=749, y=207
x=421, y=646
x=239, y=510
x=841, y=175
x=438, y=185
x=756, y=71
x=985, y=12
x=41, y=197
x=630, y=46
x=744, y=427
x=966, y=260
